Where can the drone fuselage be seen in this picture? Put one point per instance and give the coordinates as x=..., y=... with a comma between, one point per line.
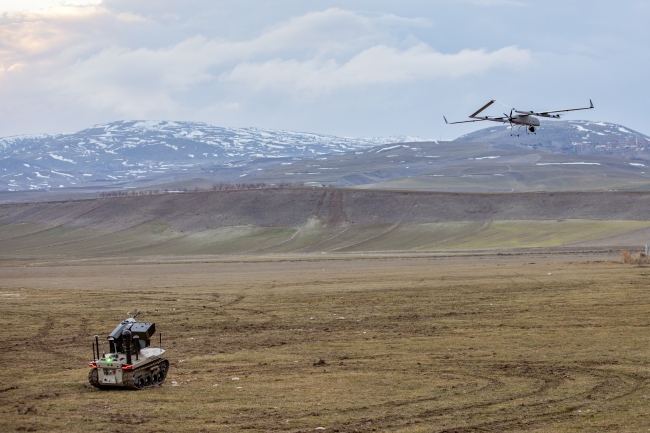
x=517, y=119
x=527, y=120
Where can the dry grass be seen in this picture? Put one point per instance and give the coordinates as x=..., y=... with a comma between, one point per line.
x=29, y=240
x=528, y=343
x=634, y=259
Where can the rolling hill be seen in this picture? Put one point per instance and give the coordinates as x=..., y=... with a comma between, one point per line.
x=564, y=156
x=463, y=166
x=321, y=220
x=578, y=137
x=136, y=153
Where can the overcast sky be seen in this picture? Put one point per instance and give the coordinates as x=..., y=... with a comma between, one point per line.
x=354, y=67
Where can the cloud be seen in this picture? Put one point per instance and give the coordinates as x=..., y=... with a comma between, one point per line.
x=495, y=2
x=34, y=36
x=304, y=57
x=68, y=66
x=378, y=65
x=13, y=6
x=137, y=82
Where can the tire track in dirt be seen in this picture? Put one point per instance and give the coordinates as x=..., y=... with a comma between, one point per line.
x=609, y=384
x=47, y=209
x=275, y=245
x=336, y=215
x=321, y=200
x=44, y=342
x=408, y=212
x=44, y=331
x=390, y=229
x=100, y=236
x=452, y=238
x=35, y=232
x=139, y=247
x=402, y=403
x=319, y=205
x=237, y=300
x=59, y=243
x=323, y=241
x=59, y=224
x=574, y=402
x=335, y=210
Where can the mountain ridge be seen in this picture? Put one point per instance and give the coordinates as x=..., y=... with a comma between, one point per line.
x=117, y=152
x=580, y=137
x=179, y=155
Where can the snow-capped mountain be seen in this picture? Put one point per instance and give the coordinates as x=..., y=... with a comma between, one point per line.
x=573, y=136
x=126, y=151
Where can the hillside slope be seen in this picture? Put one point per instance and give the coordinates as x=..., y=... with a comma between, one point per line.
x=303, y=220
x=580, y=137
x=462, y=167
x=128, y=153
x=563, y=156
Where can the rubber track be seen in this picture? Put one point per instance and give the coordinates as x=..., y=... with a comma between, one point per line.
x=128, y=376
x=93, y=378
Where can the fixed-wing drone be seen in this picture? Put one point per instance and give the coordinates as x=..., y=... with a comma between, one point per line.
x=526, y=119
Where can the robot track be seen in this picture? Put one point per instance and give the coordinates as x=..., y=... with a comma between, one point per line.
x=146, y=376
x=93, y=378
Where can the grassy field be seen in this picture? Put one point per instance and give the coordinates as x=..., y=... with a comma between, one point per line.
x=533, y=343
x=44, y=241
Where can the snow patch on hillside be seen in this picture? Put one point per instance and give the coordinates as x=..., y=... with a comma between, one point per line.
x=127, y=150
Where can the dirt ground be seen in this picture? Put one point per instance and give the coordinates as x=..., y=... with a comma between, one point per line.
x=489, y=343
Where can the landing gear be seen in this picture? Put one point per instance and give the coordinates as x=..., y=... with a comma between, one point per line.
x=518, y=130
x=528, y=129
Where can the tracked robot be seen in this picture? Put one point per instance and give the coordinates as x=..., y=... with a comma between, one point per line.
x=127, y=360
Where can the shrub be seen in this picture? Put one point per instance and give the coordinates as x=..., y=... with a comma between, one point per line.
x=640, y=259
x=626, y=257
x=218, y=186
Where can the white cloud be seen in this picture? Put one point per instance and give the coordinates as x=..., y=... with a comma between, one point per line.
x=305, y=57
x=495, y=2
x=12, y=6
x=137, y=82
x=36, y=36
x=361, y=68
x=377, y=65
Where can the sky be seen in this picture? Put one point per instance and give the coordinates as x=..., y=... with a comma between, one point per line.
x=364, y=68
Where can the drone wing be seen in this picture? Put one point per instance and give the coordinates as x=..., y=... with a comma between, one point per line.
x=549, y=113
x=462, y=121
x=479, y=119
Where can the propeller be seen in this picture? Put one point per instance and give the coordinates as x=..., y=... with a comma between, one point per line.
x=509, y=117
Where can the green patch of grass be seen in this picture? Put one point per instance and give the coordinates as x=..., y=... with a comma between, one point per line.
x=158, y=228
x=225, y=240
x=530, y=234
x=157, y=238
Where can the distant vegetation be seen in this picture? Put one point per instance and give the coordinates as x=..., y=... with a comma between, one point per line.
x=219, y=186
x=634, y=259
